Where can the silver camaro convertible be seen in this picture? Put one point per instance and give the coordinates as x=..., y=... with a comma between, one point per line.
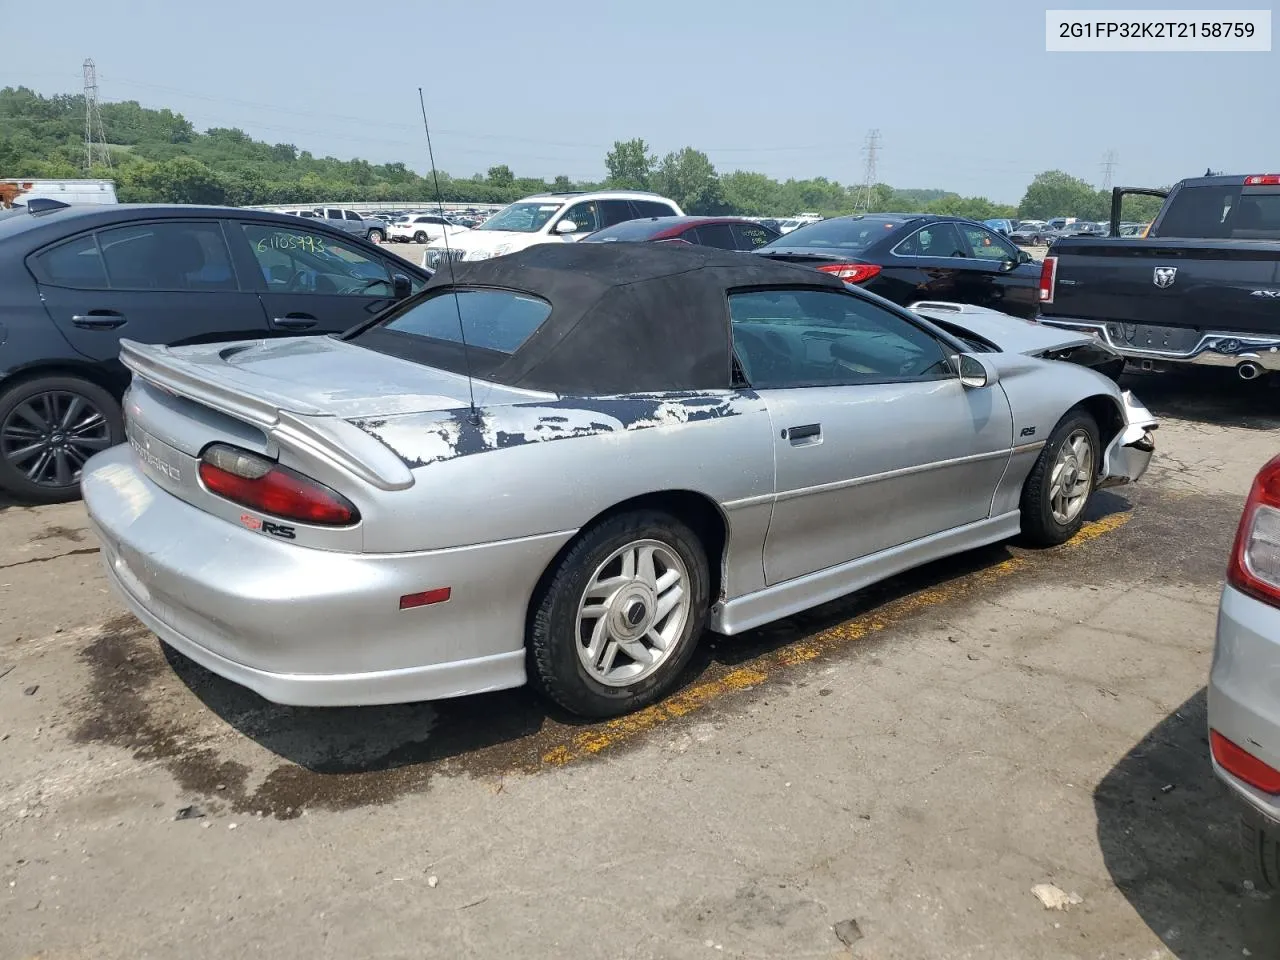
x=632, y=443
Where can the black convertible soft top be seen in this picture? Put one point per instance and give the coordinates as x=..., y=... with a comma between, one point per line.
x=625, y=317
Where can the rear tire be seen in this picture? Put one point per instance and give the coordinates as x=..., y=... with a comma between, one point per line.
x=376, y=236
x=1057, y=492
x=616, y=620
x=419, y=237
x=1261, y=845
x=51, y=422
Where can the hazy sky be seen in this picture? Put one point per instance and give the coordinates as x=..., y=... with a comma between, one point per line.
x=963, y=93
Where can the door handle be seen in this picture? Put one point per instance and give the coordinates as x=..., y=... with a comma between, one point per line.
x=98, y=320
x=295, y=321
x=808, y=433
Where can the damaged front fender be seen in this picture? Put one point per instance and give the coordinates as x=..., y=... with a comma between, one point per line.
x=1128, y=455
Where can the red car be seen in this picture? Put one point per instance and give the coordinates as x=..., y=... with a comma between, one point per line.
x=726, y=233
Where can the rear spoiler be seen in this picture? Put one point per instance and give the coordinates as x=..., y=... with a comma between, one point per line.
x=294, y=425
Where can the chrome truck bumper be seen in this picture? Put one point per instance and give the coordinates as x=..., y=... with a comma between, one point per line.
x=1149, y=346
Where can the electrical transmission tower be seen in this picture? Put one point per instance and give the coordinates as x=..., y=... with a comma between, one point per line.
x=95, y=141
x=872, y=150
x=1109, y=161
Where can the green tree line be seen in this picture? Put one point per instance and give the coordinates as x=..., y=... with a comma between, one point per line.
x=159, y=156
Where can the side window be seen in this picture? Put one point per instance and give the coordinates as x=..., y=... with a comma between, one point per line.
x=752, y=235
x=616, y=211
x=167, y=256
x=75, y=263
x=651, y=208
x=585, y=216
x=352, y=215
x=299, y=261
x=986, y=245
x=806, y=338
x=332, y=214
x=935, y=240
x=719, y=235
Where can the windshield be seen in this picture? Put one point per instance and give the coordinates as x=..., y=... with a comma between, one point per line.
x=848, y=234
x=522, y=217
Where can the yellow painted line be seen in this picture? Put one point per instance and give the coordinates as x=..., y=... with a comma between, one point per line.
x=695, y=698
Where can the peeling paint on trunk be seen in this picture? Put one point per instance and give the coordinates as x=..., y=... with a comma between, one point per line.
x=426, y=438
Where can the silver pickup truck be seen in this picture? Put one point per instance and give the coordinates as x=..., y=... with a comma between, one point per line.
x=348, y=220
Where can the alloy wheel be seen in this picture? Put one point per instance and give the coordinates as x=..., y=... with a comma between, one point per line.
x=633, y=613
x=1072, y=477
x=49, y=436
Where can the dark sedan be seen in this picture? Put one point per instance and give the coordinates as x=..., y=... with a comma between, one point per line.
x=910, y=257
x=75, y=279
x=725, y=233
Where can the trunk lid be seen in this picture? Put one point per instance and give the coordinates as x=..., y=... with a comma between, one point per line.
x=295, y=396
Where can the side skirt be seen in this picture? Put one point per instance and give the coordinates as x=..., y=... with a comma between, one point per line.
x=790, y=597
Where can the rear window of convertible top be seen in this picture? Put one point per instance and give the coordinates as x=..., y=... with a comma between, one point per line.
x=495, y=320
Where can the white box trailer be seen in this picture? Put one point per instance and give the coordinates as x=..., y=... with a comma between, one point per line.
x=18, y=191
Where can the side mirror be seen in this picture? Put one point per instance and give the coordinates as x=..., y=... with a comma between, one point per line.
x=401, y=286
x=976, y=372
x=1024, y=257
x=566, y=226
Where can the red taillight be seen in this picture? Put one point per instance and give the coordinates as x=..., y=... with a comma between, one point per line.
x=1244, y=765
x=253, y=481
x=1048, y=278
x=1262, y=179
x=1255, y=558
x=851, y=272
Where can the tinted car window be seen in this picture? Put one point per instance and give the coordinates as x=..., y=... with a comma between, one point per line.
x=802, y=338
x=935, y=240
x=297, y=260
x=719, y=235
x=752, y=235
x=352, y=216
x=615, y=211
x=75, y=263
x=167, y=256
x=1222, y=212
x=986, y=244
x=849, y=234
x=651, y=208
x=632, y=230
x=496, y=320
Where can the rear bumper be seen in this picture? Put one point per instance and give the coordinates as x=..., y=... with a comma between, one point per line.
x=311, y=627
x=1244, y=691
x=1217, y=348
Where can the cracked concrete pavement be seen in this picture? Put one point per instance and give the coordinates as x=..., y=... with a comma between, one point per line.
x=915, y=759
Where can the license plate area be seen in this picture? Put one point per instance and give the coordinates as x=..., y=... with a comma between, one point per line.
x=1146, y=336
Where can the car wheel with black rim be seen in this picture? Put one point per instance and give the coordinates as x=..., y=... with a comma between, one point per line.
x=1057, y=491
x=419, y=237
x=49, y=427
x=617, y=618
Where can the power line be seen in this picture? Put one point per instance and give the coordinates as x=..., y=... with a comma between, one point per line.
x=871, y=150
x=1109, y=161
x=95, y=141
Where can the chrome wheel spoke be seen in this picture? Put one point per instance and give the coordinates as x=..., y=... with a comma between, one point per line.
x=22, y=453
x=666, y=603
x=646, y=569
x=75, y=405
x=37, y=471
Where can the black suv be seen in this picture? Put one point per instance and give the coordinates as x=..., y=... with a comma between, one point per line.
x=74, y=280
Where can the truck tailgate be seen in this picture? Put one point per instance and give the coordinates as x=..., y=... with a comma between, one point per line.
x=1188, y=284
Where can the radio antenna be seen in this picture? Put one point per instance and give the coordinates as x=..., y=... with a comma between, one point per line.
x=448, y=258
